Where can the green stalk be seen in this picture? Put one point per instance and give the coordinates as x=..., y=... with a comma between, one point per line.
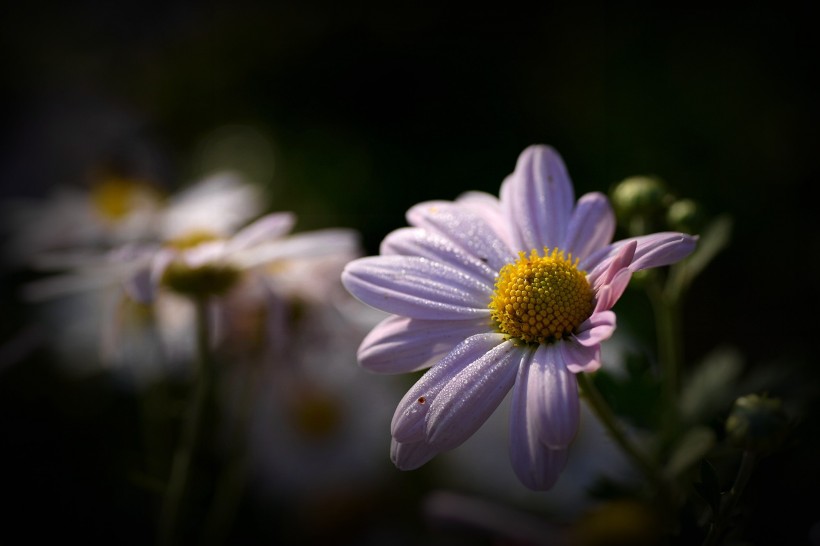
x=192, y=424
x=232, y=482
x=607, y=417
x=727, y=507
x=666, y=306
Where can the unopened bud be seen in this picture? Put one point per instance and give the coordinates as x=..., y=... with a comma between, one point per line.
x=639, y=195
x=757, y=423
x=685, y=215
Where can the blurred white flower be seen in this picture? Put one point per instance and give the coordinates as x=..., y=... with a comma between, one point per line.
x=219, y=204
x=318, y=426
x=114, y=210
x=93, y=303
x=287, y=333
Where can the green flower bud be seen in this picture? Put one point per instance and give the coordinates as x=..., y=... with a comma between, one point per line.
x=757, y=423
x=685, y=215
x=640, y=203
x=639, y=195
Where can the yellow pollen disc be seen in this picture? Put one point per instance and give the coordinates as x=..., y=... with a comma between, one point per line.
x=540, y=299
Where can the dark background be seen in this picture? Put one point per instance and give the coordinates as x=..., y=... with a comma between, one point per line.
x=371, y=109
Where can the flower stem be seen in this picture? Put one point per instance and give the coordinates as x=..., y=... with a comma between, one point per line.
x=232, y=481
x=183, y=457
x=727, y=506
x=600, y=407
x=670, y=352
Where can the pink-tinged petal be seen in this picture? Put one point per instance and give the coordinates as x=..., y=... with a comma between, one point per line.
x=608, y=294
x=271, y=226
x=655, y=250
x=591, y=226
x=472, y=396
x=409, y=419
x=420, y=242
x=465, y=228
x=579, y=358
x=597, y=328
x=536, y=465
x=607, y=268
x=417, y=287
x=401, y=345
x=411, y=455
x=538, y=199
x=552, y=398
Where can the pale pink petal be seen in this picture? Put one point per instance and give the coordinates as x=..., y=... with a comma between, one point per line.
x=421, y=242
x=579, y=358
x=309, y=244
x=409, y=419
x=607, y=268
x=536, y=465
x=539, y=199
x=591, y=226
x=480, y=200
x=655, y=250
x=472, y=396
x=488, y=207
x=417, y=287
x=552, y=398
x=401, y=345
x=465, y=228
x=597, y=328
x=662, y=249
x=271, y=226
x=204, y=253
x=411, y=455
x=608, y=294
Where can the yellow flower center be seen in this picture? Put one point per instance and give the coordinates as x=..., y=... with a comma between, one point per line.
x=540, y=299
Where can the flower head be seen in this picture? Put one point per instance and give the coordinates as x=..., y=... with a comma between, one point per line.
x=130, y=304
x=499, y=294
x=112, y=211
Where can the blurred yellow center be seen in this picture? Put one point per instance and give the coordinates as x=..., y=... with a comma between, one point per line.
x=540, y=299
x=115, y=197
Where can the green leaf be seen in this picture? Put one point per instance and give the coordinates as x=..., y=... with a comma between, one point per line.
x=711, y=387
x=693, y=446
x=714, y=239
